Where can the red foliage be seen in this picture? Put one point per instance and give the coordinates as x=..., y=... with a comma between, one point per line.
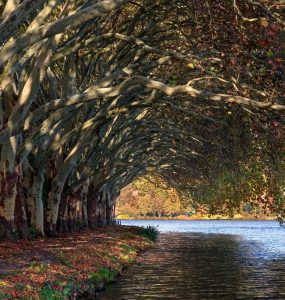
x=28, y=266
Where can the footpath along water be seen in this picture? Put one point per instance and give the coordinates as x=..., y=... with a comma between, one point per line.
x=208, y=260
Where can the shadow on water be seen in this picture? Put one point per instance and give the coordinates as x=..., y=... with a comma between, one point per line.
x=202, y=266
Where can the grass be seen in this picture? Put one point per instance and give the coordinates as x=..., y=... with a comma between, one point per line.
x=103, y=275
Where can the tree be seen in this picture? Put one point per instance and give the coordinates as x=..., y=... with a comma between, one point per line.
x=95, y=94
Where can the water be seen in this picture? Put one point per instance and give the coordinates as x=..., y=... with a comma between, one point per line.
x=268, y=233
x=208, y=260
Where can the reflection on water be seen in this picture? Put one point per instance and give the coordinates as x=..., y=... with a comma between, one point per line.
x=206, y=266
x=268, y=233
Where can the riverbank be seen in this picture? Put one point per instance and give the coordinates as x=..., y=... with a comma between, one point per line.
x=70, y=266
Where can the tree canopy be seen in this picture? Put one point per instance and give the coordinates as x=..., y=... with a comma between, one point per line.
x=96, y=93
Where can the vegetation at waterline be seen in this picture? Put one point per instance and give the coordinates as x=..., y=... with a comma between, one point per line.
x=150, y=232
x=68, y=266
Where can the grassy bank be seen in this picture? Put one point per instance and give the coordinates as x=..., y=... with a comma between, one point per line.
x=68, y=266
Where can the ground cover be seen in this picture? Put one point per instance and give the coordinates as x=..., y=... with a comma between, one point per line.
x=68, y=266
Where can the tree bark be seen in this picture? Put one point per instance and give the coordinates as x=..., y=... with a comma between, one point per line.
x=62, y=223
x=37, y=192
x=8, y=183
x=109, y=214
x=92, y=202
x=52, y=210
x=21, y=222
x=101, y=211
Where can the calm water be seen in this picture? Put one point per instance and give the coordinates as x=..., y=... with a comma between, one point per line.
x=208, y=260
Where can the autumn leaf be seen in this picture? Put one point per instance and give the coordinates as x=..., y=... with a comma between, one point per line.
x=264, y=22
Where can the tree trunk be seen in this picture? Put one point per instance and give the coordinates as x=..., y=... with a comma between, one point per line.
x=52, y=210
x=37, y=192
x=101, y=211
x=92, y=202
x=84, y=212
x=109, y=214
x=21, y=222
x=8, y=183
x=72, y=211
x=62, y=223
x=78, y=215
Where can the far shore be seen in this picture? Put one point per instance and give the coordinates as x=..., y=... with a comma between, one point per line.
x=200, y=218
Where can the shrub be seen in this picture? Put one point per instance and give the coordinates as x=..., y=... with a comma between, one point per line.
x=150, y=232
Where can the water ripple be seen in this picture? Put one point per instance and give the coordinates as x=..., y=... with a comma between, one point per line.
x=203, y=266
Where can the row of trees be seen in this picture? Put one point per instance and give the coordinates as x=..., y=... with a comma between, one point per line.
x=149, y=196
x=95, y=93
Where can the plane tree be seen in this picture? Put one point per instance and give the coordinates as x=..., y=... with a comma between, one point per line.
x=97, y=93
